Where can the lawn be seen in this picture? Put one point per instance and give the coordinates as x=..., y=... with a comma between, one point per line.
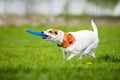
x=27, y=57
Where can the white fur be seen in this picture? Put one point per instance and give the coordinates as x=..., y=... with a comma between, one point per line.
x=86, y=41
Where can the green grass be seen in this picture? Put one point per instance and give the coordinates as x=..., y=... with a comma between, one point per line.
x=27, y=57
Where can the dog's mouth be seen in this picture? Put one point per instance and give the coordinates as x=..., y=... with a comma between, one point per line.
x=46, y=37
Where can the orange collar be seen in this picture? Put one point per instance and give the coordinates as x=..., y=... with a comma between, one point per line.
x=68, y=40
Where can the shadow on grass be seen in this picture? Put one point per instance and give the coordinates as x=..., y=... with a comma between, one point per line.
x=108, y=58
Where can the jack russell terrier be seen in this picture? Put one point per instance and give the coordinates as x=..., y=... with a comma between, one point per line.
x=84, y=41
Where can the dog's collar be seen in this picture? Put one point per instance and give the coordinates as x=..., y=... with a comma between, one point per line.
x=68, y=40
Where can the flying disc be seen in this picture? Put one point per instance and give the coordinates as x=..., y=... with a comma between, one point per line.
x=36, y=33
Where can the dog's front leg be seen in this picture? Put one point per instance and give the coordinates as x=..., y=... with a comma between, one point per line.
x=64, y=55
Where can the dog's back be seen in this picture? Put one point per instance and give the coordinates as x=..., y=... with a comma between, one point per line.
x=84, y=38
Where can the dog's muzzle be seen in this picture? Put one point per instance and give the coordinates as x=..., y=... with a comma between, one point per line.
x=47, y=37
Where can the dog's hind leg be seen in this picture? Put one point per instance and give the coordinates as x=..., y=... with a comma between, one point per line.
x=81, y=57
x=71, y=56
x=88, y=51
x=84, y=52
x=91, y=54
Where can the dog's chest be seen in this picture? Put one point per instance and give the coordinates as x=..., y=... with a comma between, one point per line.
x=73, y=48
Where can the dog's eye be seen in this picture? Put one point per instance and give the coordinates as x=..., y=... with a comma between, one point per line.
x=50, y=31
x=56, y=33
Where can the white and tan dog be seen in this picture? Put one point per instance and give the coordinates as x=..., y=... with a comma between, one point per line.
x=83, y=41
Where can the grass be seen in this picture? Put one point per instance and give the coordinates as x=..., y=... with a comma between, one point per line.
x=27, y=57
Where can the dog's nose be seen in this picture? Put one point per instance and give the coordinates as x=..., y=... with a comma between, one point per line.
x=42, y=32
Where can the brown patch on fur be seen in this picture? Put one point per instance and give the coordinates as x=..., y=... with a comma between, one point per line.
x=68, y=40
x=53, y=32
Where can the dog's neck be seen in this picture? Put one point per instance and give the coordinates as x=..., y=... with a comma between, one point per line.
x=59, y=38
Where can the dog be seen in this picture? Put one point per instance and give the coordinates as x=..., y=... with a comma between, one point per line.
x=84, y=41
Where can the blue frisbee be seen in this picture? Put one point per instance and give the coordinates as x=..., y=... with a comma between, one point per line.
x=36, y=33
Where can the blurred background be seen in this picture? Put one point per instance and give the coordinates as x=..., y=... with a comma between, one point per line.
x=58, y=12
x=28, y=57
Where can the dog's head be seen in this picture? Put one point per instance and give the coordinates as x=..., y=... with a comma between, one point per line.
x=53, y=35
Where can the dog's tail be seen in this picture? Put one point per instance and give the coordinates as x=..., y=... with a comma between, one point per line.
x=94, y=27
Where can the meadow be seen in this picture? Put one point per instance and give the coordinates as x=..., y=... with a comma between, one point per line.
x=27, y=57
